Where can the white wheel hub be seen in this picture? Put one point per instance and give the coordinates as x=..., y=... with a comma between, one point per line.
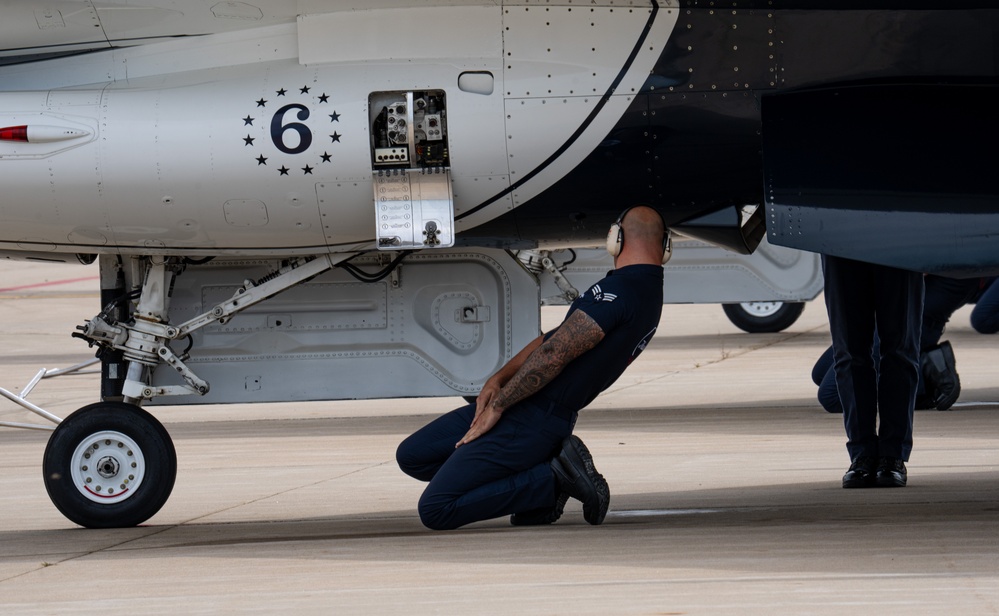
x=107, y=467
x=761, y=309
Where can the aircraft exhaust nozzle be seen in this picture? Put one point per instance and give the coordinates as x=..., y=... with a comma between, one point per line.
x=35, y=133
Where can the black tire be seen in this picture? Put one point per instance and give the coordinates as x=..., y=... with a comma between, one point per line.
x=763, y=317
x=109, y=465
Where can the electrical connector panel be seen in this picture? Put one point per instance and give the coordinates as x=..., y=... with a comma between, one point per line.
x=408, y=129
x=414, y=203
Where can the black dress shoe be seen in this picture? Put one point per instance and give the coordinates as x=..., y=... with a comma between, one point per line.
x=861, y=472
x=577, y=477
x=891, y=473
x=544, y=515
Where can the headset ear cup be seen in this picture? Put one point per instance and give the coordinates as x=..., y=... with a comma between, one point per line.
x=614, y=240
x=667, y=246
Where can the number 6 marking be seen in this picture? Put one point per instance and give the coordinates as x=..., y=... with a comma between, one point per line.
x=278, y=130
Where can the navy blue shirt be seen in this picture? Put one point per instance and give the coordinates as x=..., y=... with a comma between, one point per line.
x=626, y=305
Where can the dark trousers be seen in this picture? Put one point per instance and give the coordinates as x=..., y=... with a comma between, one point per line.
x=502, y=472
x=861, y=297
x=985, y=316
x=942, y=297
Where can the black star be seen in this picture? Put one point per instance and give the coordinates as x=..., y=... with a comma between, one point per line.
x=281, y=92
x=307, y=169
x=335, y=136
x=324, y=98
x=261, y=160
x=284, y=170
x=247, y=121
x=304, y=90
x=261, y=103
x=326, y=157
x=249, y=140
x=334, y=117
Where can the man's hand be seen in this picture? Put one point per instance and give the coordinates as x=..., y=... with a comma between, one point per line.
x=483, y=422
x=486, y=396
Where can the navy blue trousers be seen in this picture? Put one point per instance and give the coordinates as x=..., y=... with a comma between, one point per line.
x=504, y=471
x=985, y=316
x=877, y=399
x=942, y=297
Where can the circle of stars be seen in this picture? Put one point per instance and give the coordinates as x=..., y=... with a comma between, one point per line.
x=249, y=140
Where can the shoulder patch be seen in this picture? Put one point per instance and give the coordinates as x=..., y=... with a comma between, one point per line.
x=600, y=296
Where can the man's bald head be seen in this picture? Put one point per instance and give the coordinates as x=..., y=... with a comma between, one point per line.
x=644, y=224
x=643, y=232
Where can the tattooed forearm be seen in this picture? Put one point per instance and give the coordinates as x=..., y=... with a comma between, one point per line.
x=525, y=383
x=578, y=334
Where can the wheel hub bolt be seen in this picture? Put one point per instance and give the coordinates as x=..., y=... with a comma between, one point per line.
x=108, y=467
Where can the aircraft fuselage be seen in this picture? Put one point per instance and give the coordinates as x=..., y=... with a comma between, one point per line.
x=555, y=118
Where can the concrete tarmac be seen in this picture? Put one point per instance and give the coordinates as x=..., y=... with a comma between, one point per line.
x=724, y=471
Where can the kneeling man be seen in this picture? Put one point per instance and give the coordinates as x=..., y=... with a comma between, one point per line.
x=512, y=451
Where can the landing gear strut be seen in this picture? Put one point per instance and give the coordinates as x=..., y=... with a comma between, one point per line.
x=112, y=464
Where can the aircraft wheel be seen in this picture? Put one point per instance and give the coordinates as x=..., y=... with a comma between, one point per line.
x=763, y=317
x=109, y=465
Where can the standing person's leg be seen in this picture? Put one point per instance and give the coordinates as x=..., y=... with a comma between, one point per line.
x=848, y=295
x=899, y=317
x=505, y=471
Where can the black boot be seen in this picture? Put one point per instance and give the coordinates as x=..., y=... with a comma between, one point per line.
x=545, y=515
x=577, y=477
x=940, y=377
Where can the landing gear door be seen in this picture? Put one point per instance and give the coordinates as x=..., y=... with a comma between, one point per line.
x=414, y=203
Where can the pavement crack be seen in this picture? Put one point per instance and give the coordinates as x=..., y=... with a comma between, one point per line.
x=725, y=355
x=124, y=542
x=283, y=492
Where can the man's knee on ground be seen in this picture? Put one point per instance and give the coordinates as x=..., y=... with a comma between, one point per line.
x=984, y=323
x=435, y=514
x=829, y=399
x=410, y=461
